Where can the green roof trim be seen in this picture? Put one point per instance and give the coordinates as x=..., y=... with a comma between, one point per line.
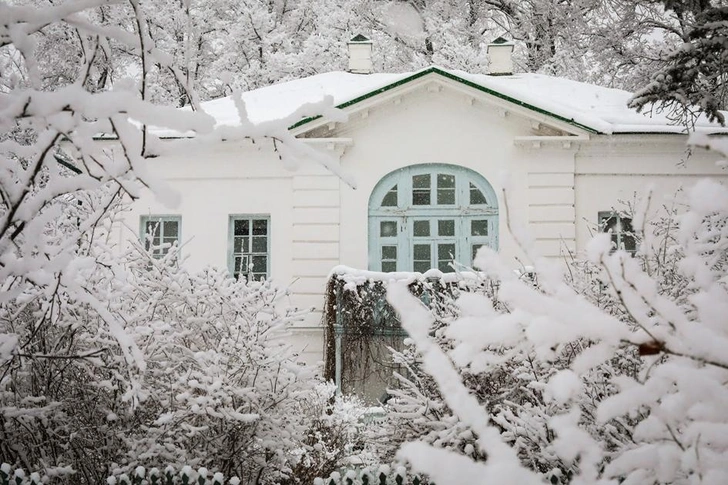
x=501, y=40
x=453, y=77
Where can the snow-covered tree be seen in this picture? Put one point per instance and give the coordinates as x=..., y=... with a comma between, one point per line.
x=660, y=423
x=512, y=390
x=691, y=78
x=97, y=351
x=49, y=159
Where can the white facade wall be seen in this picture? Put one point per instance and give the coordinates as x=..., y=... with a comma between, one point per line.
x=614, y=171
x=317, y=221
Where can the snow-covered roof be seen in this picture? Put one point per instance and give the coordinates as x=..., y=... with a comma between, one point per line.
x=594, y=108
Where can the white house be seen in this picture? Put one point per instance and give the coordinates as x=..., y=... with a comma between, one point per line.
x=432, y=154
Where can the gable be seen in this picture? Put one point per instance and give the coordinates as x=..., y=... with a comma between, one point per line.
x=435, y=80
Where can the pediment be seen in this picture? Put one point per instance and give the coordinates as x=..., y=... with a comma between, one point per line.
x=433, y=83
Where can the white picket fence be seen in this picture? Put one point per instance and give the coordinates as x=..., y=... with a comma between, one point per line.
x=141, y=476
x=382, y=475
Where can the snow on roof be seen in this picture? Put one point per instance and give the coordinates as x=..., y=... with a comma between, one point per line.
x=600, y=109
x=279, y=100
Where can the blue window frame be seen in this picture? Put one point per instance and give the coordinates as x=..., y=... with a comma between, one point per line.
x=429, y=216
x=249, y=246
x=160, y=234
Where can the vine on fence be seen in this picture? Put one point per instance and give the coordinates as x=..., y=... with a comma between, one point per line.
x=363, y=325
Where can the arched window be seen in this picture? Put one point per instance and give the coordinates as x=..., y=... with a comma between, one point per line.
x=427, y=216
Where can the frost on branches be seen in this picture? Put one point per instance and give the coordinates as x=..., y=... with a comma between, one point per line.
x=219, y=388
x=112, y=360
x=664, y=422
x=691, y=79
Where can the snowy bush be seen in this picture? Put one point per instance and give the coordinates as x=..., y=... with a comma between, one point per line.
x=672, y=408
x=219, y=386
x=110, y=360
x=512, y=392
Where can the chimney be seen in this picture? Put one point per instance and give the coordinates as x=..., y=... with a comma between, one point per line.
x=360, y=55
x=500, y=57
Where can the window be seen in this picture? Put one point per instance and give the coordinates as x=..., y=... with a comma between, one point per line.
x=429, y=216
x=620, y=229
x=249, y=247
x=160, y=233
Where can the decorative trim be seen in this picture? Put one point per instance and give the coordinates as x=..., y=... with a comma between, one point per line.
x=564, y=142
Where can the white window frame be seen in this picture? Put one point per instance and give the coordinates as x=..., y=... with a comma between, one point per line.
x=158, y=252
x=232, y=254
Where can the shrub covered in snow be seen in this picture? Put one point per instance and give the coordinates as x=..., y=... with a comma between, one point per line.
x=111, y=360
x=660, y=421
x=214, y=382
x=512, y=389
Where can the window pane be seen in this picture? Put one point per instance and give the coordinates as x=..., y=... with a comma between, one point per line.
x=445, y=255
x=421, y=181
x=241, y=264
x=446, y=196
x=445, y=189
x=388, y=228
x=479, y=228
x=446, y=252
x=620, y=230
x=476, y=196
x=389, y=252
x=626, y=224
x=421, y=266
x=171, y=229
x=260, y=244
x=608, y=223
x=421, y=189
x=390, y=199
x=445, y=181
x=446, y=227
x=421, y=197
x=259, y=264
x=260, y=227
x=422, y=252
x=445, y=266
x=241, y=227
x=152, y=234
x=475, y=251
x=422, y=228
x=151, y=227
x=241, y=245
x=389, y=266
x=629, y=243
